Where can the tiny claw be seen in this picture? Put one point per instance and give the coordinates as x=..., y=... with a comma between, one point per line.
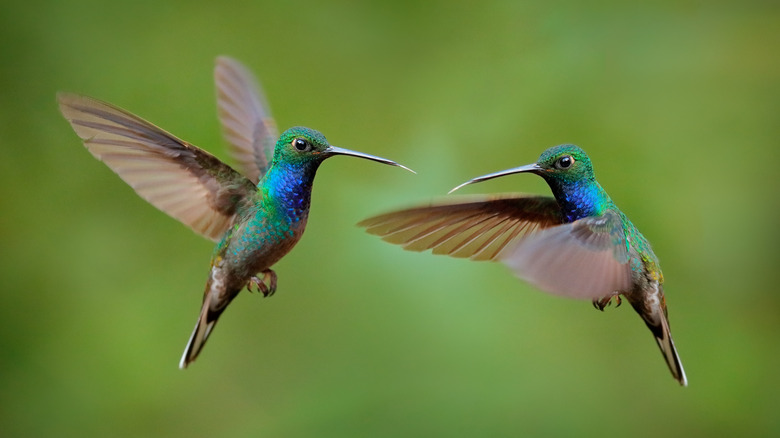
x=259, y=284
x=267, y=285
x=269, y=278
x=606, y=301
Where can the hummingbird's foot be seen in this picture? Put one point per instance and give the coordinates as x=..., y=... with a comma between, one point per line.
x=267, y=286
x=254, y=281
x=258, y=284
x=606, y=301
x=269, y=279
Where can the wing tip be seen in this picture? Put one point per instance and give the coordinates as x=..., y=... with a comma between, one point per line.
x=63, y=96
x=225, y=60
x=66, y=101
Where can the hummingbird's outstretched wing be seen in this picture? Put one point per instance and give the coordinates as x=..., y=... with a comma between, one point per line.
x=246, y=119
x=180, y=179
x=586, y=259
x=479, y=228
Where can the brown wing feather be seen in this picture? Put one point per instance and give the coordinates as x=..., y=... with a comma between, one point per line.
x=478, y=228
x=584, y=259
x=246, y=119
x=180, y=179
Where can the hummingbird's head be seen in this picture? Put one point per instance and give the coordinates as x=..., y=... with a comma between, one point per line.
x=301, y=145
x=564, y=163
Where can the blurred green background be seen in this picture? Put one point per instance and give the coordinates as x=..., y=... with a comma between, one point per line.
x=676, y=102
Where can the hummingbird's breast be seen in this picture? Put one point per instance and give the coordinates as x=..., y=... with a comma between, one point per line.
x=265, y=238
x=268, y=230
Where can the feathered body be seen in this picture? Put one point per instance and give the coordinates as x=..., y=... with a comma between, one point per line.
x=271, y=222
x=256, y=216
x=580, y=196
x=265, y=229
x=576, y=244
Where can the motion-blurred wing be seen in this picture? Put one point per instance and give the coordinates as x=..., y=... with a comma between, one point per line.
x=183, y=181
x=585, y=259
x=479, y=228
x=246, y=120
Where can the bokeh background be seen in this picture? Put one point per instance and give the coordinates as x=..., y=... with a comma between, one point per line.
x=676, y=102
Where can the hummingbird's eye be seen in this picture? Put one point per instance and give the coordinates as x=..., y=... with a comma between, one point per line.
x=300, y=144
x=564, y=162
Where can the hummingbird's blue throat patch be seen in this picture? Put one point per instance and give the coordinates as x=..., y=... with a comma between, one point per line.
x=581, y=199
x=291, y=188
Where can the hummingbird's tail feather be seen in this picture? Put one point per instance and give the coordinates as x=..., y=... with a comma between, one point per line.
x=203, y=328
x=666, y=344
x=652, y=309
x=216, y=298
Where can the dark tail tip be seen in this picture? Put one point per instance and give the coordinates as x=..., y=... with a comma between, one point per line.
x=665, y=342
x=197, y=339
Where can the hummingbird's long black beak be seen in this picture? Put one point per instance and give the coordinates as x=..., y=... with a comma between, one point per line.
x=333, y=150
x=527, y=168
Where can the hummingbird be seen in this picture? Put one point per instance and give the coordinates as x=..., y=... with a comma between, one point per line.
x=256, y=216
x=577, y=243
